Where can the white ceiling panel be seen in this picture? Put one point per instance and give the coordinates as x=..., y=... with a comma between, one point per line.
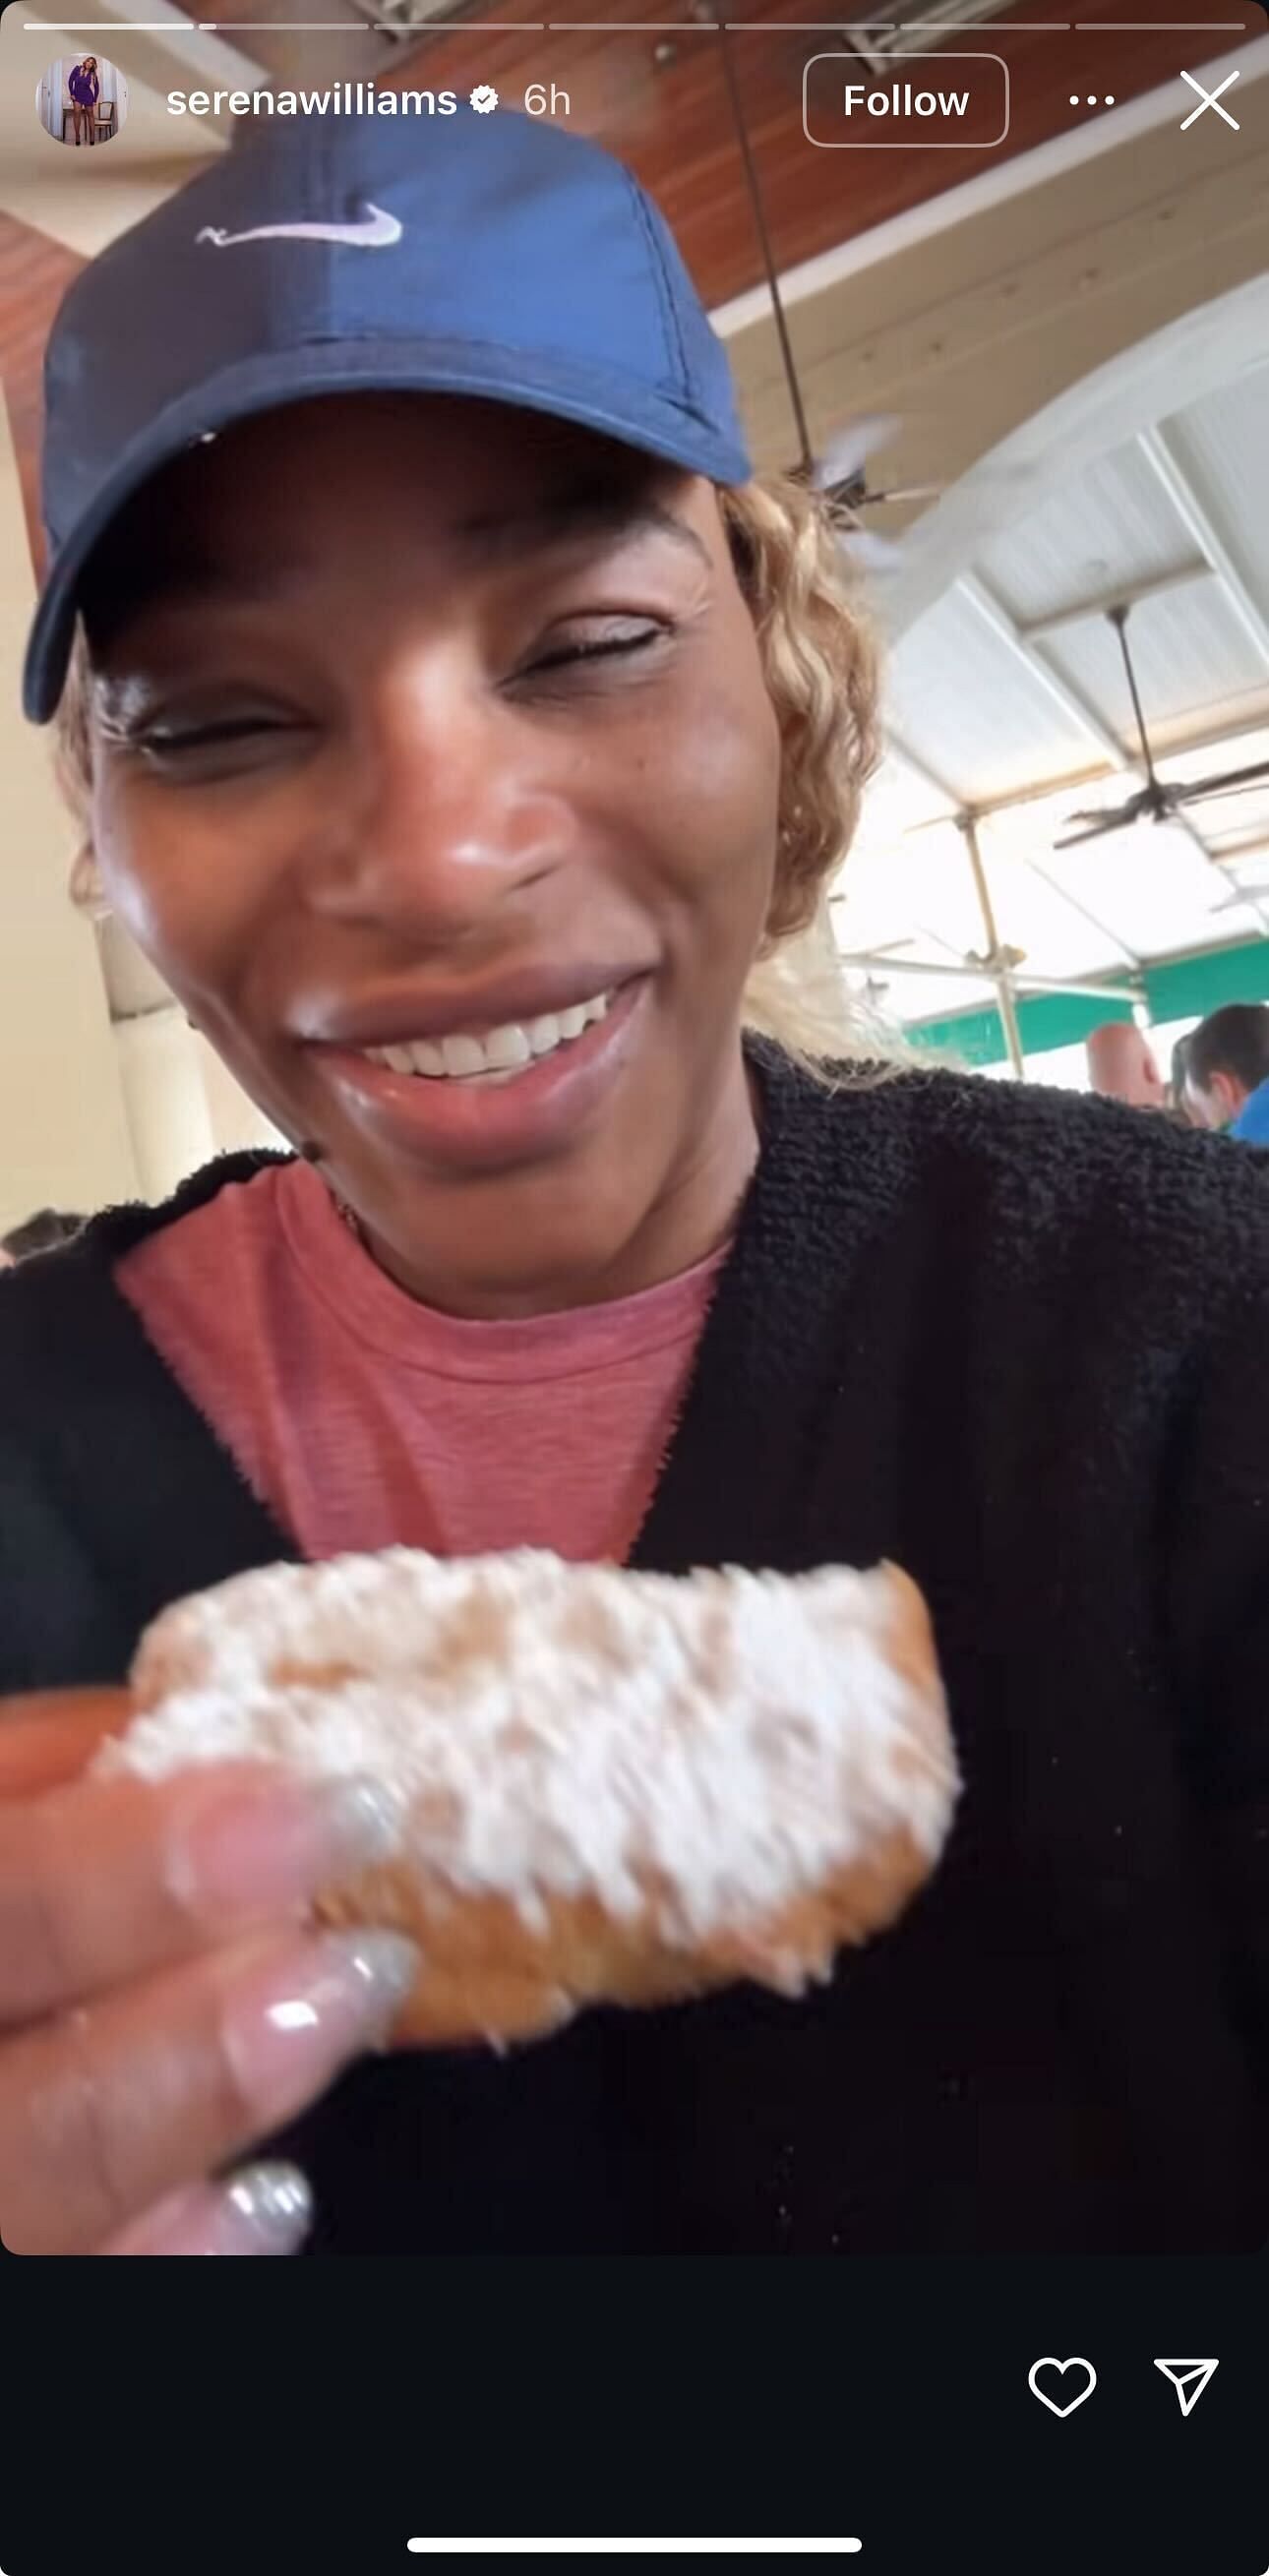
x=1242, y=753
x=1193, y=658
x=919, y=890
x=1220, y=444
x=1152, y=888
x=895, y=798
x=974, y=712
x=1110, y=524
x=1249, y=875
x=1032, y=913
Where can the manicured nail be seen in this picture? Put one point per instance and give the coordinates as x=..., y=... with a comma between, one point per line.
x=242, y=1856
x=291, y=2025
x=265, y=2209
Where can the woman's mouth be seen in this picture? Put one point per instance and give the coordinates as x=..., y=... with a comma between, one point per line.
x=491, y=1098
x=492, y=1055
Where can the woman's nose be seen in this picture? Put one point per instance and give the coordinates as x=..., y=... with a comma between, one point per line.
x=449, y=818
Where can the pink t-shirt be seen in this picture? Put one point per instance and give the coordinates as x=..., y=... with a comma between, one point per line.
x=365, y=1420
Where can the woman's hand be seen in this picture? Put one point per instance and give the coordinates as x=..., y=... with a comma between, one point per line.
x=164, y=1999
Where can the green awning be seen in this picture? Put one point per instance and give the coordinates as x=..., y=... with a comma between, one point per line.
x=1175, y=988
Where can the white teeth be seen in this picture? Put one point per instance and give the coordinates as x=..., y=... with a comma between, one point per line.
x=502, y=1050
x=463, y=1055
x=507, y=1046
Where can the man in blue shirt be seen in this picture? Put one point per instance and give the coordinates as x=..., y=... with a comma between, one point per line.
x=1227, y=1071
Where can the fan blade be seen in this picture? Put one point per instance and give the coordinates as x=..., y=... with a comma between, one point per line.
x=1114, y=818
x=901, y=492
x=1231, y=782
x=868, y=553
x=850, y=447
x=1118, y=822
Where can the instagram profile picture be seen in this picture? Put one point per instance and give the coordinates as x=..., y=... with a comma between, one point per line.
x=82, y=100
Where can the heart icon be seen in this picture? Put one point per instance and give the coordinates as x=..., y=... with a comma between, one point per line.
x=1061, y=2368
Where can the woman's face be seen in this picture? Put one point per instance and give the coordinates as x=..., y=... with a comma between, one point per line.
x=418, y=719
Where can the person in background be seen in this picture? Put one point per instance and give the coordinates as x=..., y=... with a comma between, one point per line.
x=1227, y=1072
x=85, y=90
x=1122, y=1067
x=39, y=1233
x=1178, y=1105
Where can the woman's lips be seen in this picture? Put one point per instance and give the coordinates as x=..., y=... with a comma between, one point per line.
x=481, y=1121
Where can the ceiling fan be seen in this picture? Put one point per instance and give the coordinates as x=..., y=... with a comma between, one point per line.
x=841, y=473
x=1160, y=800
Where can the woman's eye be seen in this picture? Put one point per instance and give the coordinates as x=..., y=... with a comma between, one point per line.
x=168, y=738
x=607, y=643
x=217, y=747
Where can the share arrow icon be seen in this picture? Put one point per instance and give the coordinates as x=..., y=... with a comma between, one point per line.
x=1189, y=2378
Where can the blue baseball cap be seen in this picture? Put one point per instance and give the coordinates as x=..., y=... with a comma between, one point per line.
x=486, y=255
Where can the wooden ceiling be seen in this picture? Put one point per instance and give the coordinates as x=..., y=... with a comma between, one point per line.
x=660, y=99
x=661, y=102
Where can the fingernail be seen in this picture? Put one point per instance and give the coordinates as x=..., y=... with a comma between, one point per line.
x=245, y=1855
x=291, y=2026
x=386, y=1966
x=265, y=2209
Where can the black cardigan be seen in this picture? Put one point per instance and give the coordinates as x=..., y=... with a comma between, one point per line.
x=1017, y=1342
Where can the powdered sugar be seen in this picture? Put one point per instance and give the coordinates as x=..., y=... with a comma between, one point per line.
x=726, y=1739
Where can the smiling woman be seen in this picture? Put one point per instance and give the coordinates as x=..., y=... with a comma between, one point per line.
x=538, y=744
x=819, y=668
x=465, y=735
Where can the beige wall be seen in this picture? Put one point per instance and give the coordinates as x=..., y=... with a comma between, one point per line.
x=92, y=1109
x=64, y=1138
x=182, y=1104
x=168, y=1117
x=235, y=1120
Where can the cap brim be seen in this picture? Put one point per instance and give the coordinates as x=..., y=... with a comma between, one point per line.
x=600, y=399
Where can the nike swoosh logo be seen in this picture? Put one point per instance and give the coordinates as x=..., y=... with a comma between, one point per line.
x=377, y=233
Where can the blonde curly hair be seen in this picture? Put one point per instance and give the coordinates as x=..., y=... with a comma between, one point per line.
x=820, y=664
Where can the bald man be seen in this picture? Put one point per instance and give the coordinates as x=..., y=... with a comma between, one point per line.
x=1122, y=1067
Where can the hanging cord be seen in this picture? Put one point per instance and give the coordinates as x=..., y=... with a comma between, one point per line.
x=1119, y=620
x=806, y=460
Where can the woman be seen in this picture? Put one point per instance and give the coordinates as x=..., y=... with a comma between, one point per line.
x=438, y=666
x=85, y=90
